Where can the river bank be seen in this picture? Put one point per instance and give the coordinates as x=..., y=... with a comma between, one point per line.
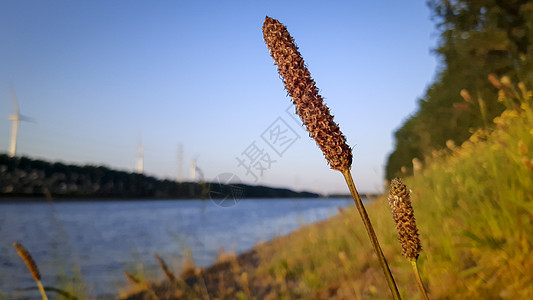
x=240, y=276
x=473, y=208
x=305, y=264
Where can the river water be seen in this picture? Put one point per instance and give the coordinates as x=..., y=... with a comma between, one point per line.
x=102, y=239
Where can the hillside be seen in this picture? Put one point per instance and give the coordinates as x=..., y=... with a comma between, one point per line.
x=25, y=177
x=475, y=38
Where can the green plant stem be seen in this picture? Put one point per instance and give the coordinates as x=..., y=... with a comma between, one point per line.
x=418, y=279
x=371, y=234
x=41, y=290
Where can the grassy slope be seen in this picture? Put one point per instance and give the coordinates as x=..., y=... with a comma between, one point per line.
x=474, y=210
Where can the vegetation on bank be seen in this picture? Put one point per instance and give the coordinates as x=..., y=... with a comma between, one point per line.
x=474, y=209
x=26, y=177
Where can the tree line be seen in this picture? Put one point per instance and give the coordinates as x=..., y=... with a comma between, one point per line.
x=476, y=38
x=26, y=177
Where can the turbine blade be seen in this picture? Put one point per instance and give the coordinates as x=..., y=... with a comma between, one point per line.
x=15, y=102
x=27, y=119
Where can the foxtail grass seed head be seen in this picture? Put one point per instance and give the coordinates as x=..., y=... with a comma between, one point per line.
x=466, y=96
x=132, y=279
x=451, y=145
x=304, y=93
x=495, y=81
x=28, y=260
x=506, y=81
x=403, y=215
x=528, y=162
x=523, y=90
x=522, y=147
x=168, y=273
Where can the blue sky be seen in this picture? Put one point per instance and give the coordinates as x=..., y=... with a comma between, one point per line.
x=96, y=75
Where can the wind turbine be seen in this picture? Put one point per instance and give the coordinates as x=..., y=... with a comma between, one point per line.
x=14, y=129
x=194, y=170
x=180, y=162
x=140, y=157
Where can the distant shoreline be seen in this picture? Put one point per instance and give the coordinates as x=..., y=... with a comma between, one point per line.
x=26, y=199
x=24, y=177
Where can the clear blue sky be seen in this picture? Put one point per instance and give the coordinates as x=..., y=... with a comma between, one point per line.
x=96, y=75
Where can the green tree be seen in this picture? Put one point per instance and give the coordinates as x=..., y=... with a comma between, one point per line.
x=477, y=38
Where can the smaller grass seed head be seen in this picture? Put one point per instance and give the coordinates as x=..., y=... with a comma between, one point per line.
x=495, y=81
x=28, y=260
x=168, y=273
x=132, y=279
x=466, y=95
x=404, y=218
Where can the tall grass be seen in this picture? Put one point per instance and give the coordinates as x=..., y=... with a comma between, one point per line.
x=478, y=207
x=404, y=218
x=318, y=121
x=474, y=209
x=32, y=267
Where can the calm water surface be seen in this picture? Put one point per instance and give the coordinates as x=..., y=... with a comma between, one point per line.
x=103, y=239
